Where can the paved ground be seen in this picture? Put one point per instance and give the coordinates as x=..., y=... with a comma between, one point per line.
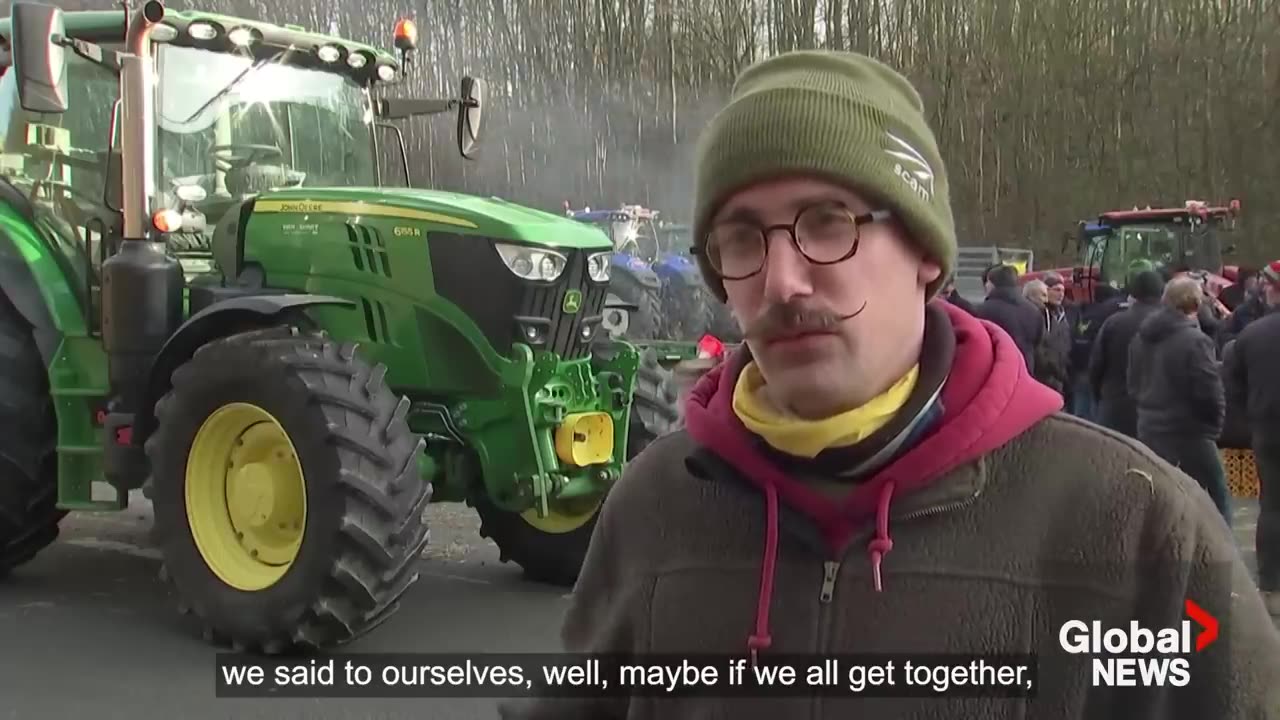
x=87, y=627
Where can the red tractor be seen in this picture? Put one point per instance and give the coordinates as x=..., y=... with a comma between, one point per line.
x=1175, y=241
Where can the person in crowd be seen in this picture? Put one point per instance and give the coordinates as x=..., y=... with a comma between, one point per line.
x=1251, y=304
x=1045, y=367
x=1036, y=293
x=1016, y=315
x=874, y=470
x=953, y=296
x=1245, y=286
x=1252, y=375
x=1109, y=358
x=1060, y=318
x=987, y=285
x=1107, y=301
x=1236, y=433
x=1207, y=316
x=1173, y=376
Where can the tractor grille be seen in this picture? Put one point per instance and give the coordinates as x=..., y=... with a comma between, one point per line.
x=469, y=273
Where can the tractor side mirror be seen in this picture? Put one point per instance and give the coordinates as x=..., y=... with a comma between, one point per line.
x=39, y=60
x=469, y=114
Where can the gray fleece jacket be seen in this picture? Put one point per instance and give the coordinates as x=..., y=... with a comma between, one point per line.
x=993, y=527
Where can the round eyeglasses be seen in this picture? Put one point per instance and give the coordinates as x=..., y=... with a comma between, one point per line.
x=825, y=234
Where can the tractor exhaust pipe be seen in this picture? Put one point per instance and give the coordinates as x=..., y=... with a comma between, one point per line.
x=137, y=142
x=141, y=284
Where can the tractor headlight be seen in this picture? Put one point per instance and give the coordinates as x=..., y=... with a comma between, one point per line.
x=532, y=263
x=598, y=265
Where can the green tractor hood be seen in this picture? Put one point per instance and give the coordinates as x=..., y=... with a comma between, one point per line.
x=489, y=217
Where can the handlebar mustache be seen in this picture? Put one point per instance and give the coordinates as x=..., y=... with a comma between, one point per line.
x=793, y=318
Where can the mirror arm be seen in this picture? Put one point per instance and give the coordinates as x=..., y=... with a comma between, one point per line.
x=96, y=54
x=400, y=108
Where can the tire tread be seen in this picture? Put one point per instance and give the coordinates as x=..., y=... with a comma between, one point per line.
x=29, y=512
x=382, y=532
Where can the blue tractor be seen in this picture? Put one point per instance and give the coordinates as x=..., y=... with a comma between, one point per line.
x=690, y=307
x=653, y=273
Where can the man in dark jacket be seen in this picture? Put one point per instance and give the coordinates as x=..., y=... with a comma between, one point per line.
x=1005, y=306
x=1252, y=371
x=1253, y=305
x=874, y=470
x=953, y=296
x=1174, y=377
x=1060, y=319
x=1107, y=301
x=1245, y=285
x=1109, y=359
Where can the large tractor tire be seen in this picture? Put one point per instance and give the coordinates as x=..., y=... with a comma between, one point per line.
x=287, y=492
x=29, y=513
x=646, y=322
x=684, y=316
x=654, y=412
x=551, y=549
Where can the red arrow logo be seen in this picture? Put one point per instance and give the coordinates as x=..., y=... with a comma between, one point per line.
x=1206, y=621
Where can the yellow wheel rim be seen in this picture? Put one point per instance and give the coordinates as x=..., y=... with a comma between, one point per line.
x=563, y=518
x=246, y=497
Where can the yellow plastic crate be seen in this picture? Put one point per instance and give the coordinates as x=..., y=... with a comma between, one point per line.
x=1242, y=472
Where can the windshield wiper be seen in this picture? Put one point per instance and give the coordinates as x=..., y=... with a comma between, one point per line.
x=230, y=86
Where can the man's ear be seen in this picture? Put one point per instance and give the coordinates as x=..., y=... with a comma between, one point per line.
x=929, y=271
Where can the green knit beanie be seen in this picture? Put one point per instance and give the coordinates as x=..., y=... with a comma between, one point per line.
x=838, y=115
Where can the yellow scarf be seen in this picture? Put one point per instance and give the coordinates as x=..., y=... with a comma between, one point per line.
x=807, y=438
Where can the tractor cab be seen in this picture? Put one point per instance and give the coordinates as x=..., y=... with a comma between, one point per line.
x=230, y=126
x=240, y=108
x=633, y=229
x=642, y=241
x=1168, y=240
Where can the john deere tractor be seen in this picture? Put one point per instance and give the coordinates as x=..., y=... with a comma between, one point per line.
x=207, y=293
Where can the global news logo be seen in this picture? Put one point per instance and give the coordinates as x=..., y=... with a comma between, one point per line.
x=1136, y=656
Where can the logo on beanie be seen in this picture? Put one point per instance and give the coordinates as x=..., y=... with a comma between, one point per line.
x=911, y=166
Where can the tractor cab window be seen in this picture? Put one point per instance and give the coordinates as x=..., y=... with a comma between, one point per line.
x=1106, y=253
x=237, y=128
x=59, y=161
x=634, y=235
x=1202, y=246
x=674, y=239
x=1157, y=245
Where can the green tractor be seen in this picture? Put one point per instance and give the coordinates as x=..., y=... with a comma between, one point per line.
x=209, y=294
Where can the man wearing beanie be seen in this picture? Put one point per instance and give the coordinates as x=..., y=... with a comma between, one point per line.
x=874, y=470
x=1109, y=361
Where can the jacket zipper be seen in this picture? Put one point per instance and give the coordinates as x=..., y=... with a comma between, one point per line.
x=830, y=572
x=937, y=509
x=827, y=590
